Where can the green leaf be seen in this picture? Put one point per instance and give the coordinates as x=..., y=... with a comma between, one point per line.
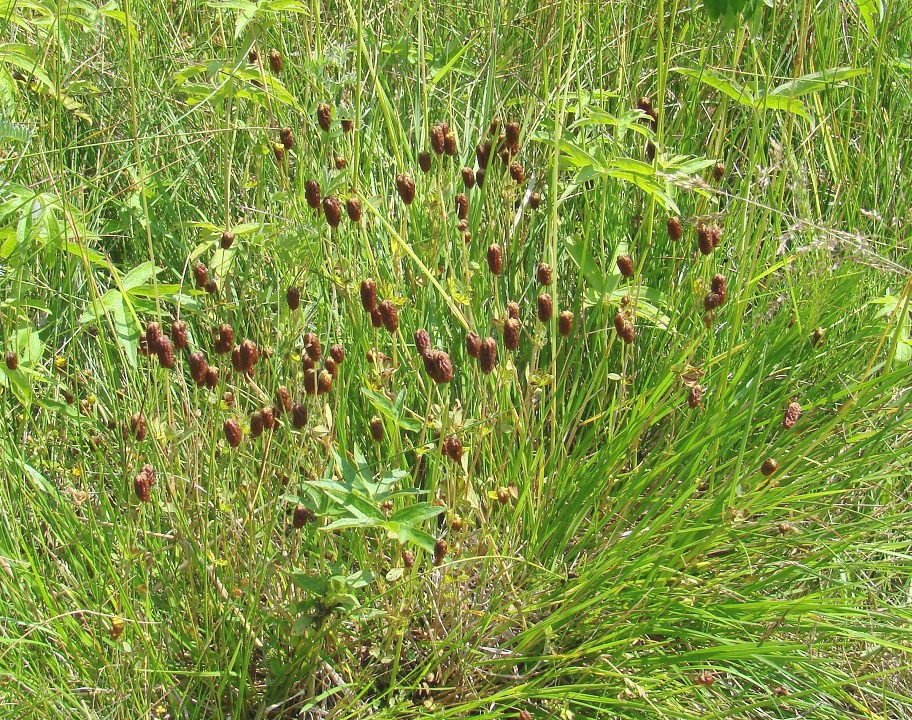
x=416, y=514
x=815, y=82
x=710, y=77
x=139, y=275
x=408, y=534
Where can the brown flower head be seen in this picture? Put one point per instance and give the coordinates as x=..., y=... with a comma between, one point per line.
x=495, y=259
x=511, y=334
x=227, y=239
x=153, y=335
x=225, y=339
x=452, y=448
x=200, y=275
x=390, y=316
x=275, y=61
x=199, y=368
x=233, y=434
x=488, y=355
x=256, y=424
x=278, y=149
x=282, y=400
x=718, y=171
x=337, y=352
x=769, y=466
x=483, y=154
x=565, y=323
x=449, y=144
x=511, y=134
x=462, y=206
x=440, y=551
x=376, y=428
x=332, y=210
x=543, y=273
x=424, y=161
x=545, y=307
x=517, y=173
x=705, y=239
x=286, y=137
x=301, y=517
x=138, y=426
x=712, y=301
x=513, y=310
x=468, y=178
x=422, y=341
x=675, y=231
x=792, y=413
x=695, y=397
x=324, y=116
x=298, y=416
x=211, y=286
x=473, y=344
x=353, y=208
x=324, y=382
x=312, y=346
x=341, y=162
x=312, y=194
x=142, y=486
x=253, y=56
x=535, y=200
x=165, y=352
x=269, y=418
x=179, y=334
x=480, y=177
x=331, y=367
x=624, y=328
x=368, y=295
x=348, y=126
x=625, y=265
x=405, y=186
x=250, y=355
x=376, y=318
x=212, y=377
x=293, y=298
x=438, y=135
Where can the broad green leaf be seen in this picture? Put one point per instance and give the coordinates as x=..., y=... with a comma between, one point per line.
x=415, y=514
x=710, y=77
x=139, y=275
x=814, y=82
x=408, y=534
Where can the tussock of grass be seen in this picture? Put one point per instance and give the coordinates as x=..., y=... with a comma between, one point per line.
x=584, y=490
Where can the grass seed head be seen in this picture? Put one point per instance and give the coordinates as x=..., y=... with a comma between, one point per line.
x=624, y=328
x=543, y=274
x=12, y=360
x=422, y=341
x=179, y=334
x=405, y=186
x=324, y=116
x=495, y=259
x=545, y=307
x=488, y=355
x=440, y=551
x=312, y=346
x=535, y=200
x=674, y=229
x=286, y=137
x=301, y=517
x=483, y=154
x=253, y=56
x=138, y=426
x=565, y=323
x=468, y=178
x=449, y=144
x=227, y=239
x=275, y=61
x=424, y=161
x=389, y=315
x=256, y=424
x=462, y=206
x=312, y=194
x=165, y=352
x=438, y=136
x=517, y=173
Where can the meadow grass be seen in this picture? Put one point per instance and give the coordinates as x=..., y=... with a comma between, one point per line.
x=589, y=528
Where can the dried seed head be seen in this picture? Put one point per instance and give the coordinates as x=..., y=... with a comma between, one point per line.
x=543, y=273
x=286, y=137
x=545, y=307
x=644, y=104
x=353, y=208
x=269, y=418
x=408, y=558
x=792, y=413
x=625, y=265
x=227, y=239
x=311, y=381
x=487, y=356
x=348, y=126
x=422, y=341
x=511, y=334
x=405, y=186
x=312, y=194
x=153, y=335
x=511, y=134
x=769, y=466
x=368, y=295
x=718, y=284
x=443, y=368
x=624, y=328
x=332, y=210
x=495, y=259
x=256, y=424
x=455, y=523
x=275, y=61
x=718, y=171
x=449, y=144
x=225, y=339
x=462, y=225
x=504, y=154
x=12, y=360
x=695, y=398
x=341, y=162
x=253, y=56
x=517, y=173
x=212, y=377
x=482, y=155
x=293, y=298
x=376, y=318
x=236, y=361
x=324, y=382
x=283, y=400
x=212, y=286
x=301, y=517
x=452, y=448
x=312, y=346
x=565, y=323
x=503, y=495
x=142, y=486
x=250, y=355
x=337, y=353
x=535, y=200
x=199, y=368
x=712, y=301
x=513, y=310
x=298, y=416
x=480, y=177
x=675, y=231
x=468, y=178
x=462, y=206
x=165, y=352
x=278, y=149
x=473, y=344
x=376, y=428
x=390, y=316
x=179, y=334
x=440, y=551
x=324, y=116
x=138, y=426
x=437, y=139
x=331, y=367
x=200, y=275
x=818, y=337
x=424, y=161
